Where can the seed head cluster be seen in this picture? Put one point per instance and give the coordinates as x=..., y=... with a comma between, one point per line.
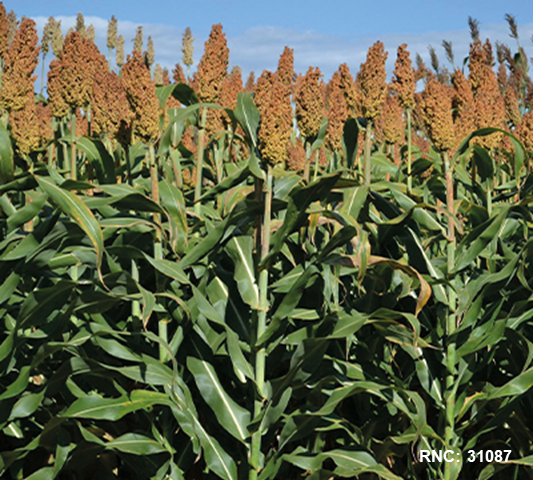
x=140, y=92
x=371, y=80
x=19, y=64
x=310, y=103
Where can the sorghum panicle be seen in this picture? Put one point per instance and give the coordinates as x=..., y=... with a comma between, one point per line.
x=403, y=81
x=140, y=91
x=436, y=112
x=19, y=64
x=112, y=31
x=372, y=79
x=276, y=124
x=337, y=112
x=309, y=103
x=213, y=66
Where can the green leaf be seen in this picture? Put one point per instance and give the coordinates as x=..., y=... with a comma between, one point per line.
x=230, y=415
x=96, y=407
x=247, y=115
x=135, y=444
x=240, y=250
x=71, y=205
x=100, y=159
x=7, y=167
x=26, y=405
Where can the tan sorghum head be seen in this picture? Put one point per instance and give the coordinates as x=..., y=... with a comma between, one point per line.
x=371, y=80
x=13, y=25
x=309, y=102
x=90, y=34
x=19, y=65
x=120, y=55
x=80, y=24
x=57, y=39
x=46, y=39
x=140, y=91
x=436, y=113
x=213, y=66
x=138, y=40
x=112, y=32
x=149, y=55
x=187, y=48
x=403, y=81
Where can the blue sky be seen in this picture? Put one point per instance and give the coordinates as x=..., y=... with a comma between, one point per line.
x=323, y=34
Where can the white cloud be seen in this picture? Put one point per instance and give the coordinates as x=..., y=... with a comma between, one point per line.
x=259, y=48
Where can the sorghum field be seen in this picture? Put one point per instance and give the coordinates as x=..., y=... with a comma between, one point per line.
x=286, y=279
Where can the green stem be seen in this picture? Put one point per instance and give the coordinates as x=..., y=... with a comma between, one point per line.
x=200, y=162
x=368, y=147
x=73, y=173
x=451, y=319
x=409, y=158
x=176, y=166
x=307, y=166
x=260, y=354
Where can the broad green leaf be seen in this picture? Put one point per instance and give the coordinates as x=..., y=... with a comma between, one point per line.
x=26, y=405
x=135, y=444
x=240, y=250
x=71, y=205
x=7, y=167
x=247, y=115
x=96, y=407
x=231, y=416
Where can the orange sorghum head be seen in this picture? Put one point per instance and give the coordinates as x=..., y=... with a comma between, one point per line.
x=4, y=31
x=296, y=155
x=285, y=71
x=436, y=113
x=25, y=126
x=309, y=103
x=55, y=86
x=19, y=65
x=524, y=131
x=390, y=125
x=349, y=90
x=110, y=107
x=403, y=81
x=140, y=92
x=263, y=88
x=213, y=66
x=276, y=124
x=371, y=80
x=250, y=83
x=337, y=112
x=178, y=75
x=79, y=60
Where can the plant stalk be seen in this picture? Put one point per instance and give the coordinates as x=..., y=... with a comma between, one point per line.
x=409, y=157
x=260, y=354
x=368, y=146
x=200, y=162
